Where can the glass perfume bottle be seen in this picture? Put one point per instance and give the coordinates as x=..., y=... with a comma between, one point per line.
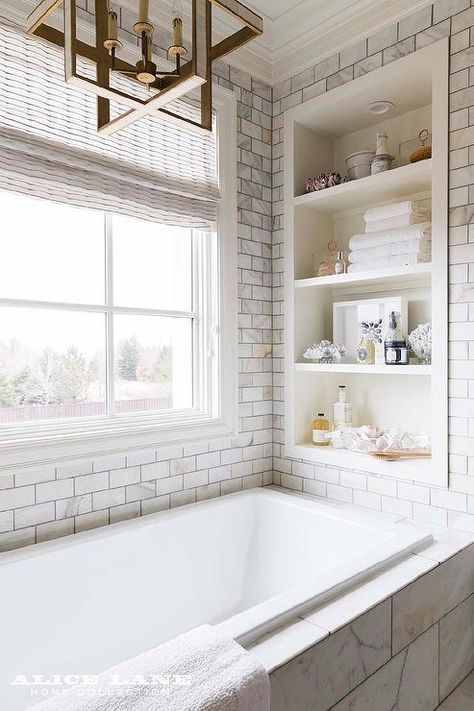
x=340, y=264
x=320, y=428
x=395, y=344
x=342, y=410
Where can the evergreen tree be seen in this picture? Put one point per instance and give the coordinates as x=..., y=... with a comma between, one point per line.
x=129, y=357
x=74, y=377
x=7, y=392
x=164, y=365
x=20, y=383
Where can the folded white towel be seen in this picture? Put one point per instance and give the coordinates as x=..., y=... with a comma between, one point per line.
x=412, y=246
x=402, y=260
x=402, y=234
x=395, y=210
x=392, y=223
x=197, y=671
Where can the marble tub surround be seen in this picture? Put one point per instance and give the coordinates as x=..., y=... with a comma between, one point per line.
x=423, y=602
x=408, y=681
x=314, y=681
x=456, y=646
x=343, y=655
x=462, y=698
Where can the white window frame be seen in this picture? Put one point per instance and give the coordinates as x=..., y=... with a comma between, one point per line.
x=57, y=442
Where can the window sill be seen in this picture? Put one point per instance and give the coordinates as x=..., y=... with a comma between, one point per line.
x=73, y=442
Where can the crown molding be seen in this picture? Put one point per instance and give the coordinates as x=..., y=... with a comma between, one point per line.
x=282, y=51
x=321, y=39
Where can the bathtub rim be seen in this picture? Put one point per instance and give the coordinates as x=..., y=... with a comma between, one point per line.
x=253, y=623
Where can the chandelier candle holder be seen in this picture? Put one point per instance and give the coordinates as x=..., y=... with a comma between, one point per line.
x=164, y=86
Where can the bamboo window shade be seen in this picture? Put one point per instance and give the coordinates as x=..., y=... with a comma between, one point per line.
x=155, y=169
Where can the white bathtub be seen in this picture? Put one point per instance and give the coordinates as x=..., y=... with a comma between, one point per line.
x=247, y=561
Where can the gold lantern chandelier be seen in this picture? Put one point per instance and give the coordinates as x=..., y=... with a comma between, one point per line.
x=164, y=86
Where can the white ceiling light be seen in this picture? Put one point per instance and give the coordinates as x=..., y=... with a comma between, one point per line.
x=381, y=107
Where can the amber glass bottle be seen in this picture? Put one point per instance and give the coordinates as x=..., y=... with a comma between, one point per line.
x=320, y=428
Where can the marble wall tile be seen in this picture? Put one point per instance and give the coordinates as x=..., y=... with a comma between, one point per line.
x=461, y=698
x=318, y=678
x=408, y=682
x=414, y=23
x=456, y=646
x=427, y=600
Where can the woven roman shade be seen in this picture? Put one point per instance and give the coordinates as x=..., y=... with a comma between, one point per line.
x=155, y=169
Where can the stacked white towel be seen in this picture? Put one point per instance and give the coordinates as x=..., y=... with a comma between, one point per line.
x=395, y=235
x=198, y=671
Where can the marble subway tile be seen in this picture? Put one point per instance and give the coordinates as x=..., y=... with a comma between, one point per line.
x=409, y=681
x=382, y=39
x=427, y=600
x=6, y=521
x=33, y=515
x=17, y=539
x=456, y=646
x=414, y=23
x=34, y=476
x=354, y=53
x=368, y=65
x=432, y=34
x=54, y=529
x=401, y=49
x=88, y=521
x=14, y=498
x=326, y=67
x=444, y=8
x=68, y=508
x=91, y=482
x=313, y=682
x=125, y=512
x=54, y=490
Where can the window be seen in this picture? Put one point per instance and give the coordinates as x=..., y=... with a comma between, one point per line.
x=103, y=316
x=118, y=271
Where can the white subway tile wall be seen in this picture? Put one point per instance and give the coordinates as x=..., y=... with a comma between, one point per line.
x=453, y=507
x=44, y=503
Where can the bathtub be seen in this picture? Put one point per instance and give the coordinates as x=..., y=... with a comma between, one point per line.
x=246, y=562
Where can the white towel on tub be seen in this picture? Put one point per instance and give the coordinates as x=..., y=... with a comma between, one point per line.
x=200, y=670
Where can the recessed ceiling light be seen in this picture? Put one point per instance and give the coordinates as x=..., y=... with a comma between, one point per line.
x=380, y=107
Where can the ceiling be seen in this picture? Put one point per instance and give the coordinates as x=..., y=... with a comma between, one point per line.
x=297, y=33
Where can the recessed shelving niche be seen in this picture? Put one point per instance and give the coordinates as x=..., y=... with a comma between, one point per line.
x=318, y=135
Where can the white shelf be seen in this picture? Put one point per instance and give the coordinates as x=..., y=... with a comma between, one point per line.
x=391, y=184
x=419, y=469
x=375, y=369
x=400, y=276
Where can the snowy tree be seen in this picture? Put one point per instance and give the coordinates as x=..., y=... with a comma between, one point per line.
x=42, y=385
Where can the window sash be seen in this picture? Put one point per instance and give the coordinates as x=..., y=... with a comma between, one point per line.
x=203, y=330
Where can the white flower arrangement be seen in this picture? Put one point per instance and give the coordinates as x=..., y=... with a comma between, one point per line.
x=325, y=352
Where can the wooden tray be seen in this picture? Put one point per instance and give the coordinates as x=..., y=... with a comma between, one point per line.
x=397, y=454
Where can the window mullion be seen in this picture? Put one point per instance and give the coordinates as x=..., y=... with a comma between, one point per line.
x=109, y=300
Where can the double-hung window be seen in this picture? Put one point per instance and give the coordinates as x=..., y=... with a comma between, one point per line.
x=102, y=315
x=117, y=271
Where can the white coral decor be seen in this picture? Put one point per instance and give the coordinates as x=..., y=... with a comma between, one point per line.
x=420, y=342
x=325, y=352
